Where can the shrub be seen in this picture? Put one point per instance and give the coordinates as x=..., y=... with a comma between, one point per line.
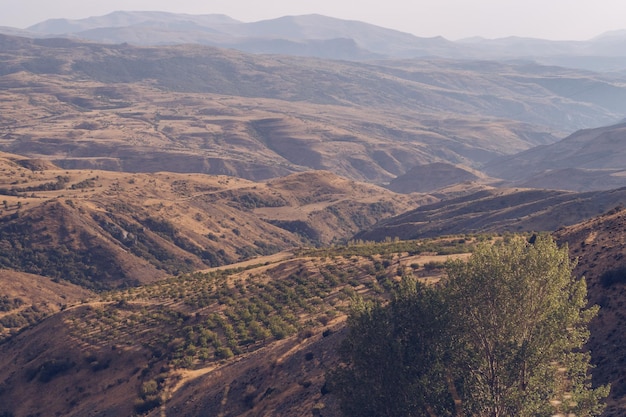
x=613, y=276
x=53, y=368
x=143, y=406
x=224, y=353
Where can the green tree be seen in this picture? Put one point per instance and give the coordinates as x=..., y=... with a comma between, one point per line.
x=394, y=357
x=501, y=336
x=520, y=318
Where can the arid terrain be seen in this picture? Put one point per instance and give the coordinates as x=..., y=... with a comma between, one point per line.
x=105, y=229
x=496, y=210
x=590, y=159
x=206, y=110
x=256, y=341
x=183, y=228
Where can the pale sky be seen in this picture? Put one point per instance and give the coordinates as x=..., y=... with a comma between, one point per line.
x=452, y=19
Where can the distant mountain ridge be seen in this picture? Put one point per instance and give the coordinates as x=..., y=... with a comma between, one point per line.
x=297, y=35
x=124, y=19
x=291, y=35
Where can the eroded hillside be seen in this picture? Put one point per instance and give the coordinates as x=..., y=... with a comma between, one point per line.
x=590, y=159
x=199, y=109
x=496, y=210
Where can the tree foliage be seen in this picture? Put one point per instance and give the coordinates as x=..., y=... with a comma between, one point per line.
x=501, y=336
x=395, y=362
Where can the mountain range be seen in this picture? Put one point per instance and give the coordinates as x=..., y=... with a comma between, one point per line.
x=322, y=36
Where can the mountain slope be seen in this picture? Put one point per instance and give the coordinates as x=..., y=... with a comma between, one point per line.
x=431, y=177
x=26, y=299
x=129, y=109
x=240, y=342
x=590, y=159
x=497, y=210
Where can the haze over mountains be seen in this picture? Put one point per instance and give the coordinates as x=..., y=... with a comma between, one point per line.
x=321, y=36
x=201, y=109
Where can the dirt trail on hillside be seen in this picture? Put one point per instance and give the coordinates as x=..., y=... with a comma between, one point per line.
x=270, y=259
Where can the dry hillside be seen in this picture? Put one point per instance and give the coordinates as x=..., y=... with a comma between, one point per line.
x=590, y=159
x=600, y=246
x=103, y=229
x=25, y=299
x=432, y=177
x=496, y=210
x=174, y=220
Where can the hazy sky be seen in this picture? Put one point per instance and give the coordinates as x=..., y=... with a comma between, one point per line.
x=453, y=19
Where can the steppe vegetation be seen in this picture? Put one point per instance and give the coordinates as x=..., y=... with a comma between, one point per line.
x=162, y=341
x=104, y=230
x=26, y=299
x=235, y=310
